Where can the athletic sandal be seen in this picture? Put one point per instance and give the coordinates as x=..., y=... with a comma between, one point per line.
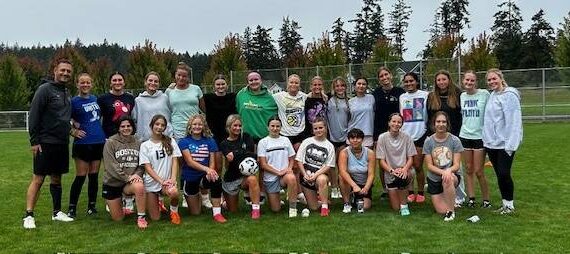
x=219, y=218
x=175, y=217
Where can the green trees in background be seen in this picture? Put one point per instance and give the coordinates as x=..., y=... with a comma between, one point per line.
x=507, y=38
x=13, y=84
x=226, y=57
x=479, y=55
x=142, y=60
x=399, y=25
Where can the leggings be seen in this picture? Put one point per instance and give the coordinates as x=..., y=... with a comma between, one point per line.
x=502, y=163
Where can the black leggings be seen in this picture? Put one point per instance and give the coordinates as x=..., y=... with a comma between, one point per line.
x=193, y=187
x=502, y=164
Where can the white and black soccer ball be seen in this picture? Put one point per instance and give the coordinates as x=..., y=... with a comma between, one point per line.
x=248, y=166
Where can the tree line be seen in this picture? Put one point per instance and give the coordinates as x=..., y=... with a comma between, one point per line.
x=373, y=40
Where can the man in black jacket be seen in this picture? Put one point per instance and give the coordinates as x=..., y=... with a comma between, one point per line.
x=49, y=128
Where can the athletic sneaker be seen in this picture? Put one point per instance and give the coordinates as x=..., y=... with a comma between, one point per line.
x=29, y=222
x=161, y=206
x=335, y=193
x=420, y=198
x=471, y=203
x=404, y=211
x=91, y=211
x=486, y=204
x=247, y=199
x=174, y=217
x=255, y=214
x=61, y=216
x=262, y=199
x=206, y=203
x=458, y=205
x=292, y=212
x=507, y=210
x=141, y=223
x=347, y=208
x=411, y=198
x=449, y=216
x=305, y=213
x=219, y=218
x=324, y=212
x=72, y=213
x=129, y=205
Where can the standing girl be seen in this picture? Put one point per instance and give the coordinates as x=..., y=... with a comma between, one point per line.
x=87, y=146
x=502, y=133
x=291, y=109
x=199, y=168
x=159, y=157
x=473, y=103
x=362, y=111
x=148, y=104
x=338, y=114
x=255, y=105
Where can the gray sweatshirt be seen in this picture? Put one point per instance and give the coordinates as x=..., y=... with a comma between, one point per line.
x=50, y=114
x=121, y=160
x=146, y=106
x=502, y=125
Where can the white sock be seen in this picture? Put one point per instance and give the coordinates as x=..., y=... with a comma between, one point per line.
x=325, y=206
x=216, y=210
x=510, y=204
x=255, y=206
x=504, y=202
x=174, y=208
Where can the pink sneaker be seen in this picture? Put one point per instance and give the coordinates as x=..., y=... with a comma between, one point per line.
x=324, y=212
x=219, y=218
x=255, y=214
x=411, y=198
x=141, y=223
x=420, y=198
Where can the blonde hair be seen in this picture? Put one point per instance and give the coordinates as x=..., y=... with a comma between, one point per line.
x=183, y=66
x=230, y=120
x=206, y=132
x=499, y=73
x=292, y=76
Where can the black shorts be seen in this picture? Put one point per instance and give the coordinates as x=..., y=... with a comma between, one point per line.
x=338, y=144
x=435, y=188
x=420, y=141
x=111, y=192
x=87, y=152
x=399, y=183
x=192, y=188
x=296, y=139
x=472, y=144
x=52, y=160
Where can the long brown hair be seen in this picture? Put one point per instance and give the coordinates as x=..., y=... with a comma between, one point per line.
x=453, y=92
x=164, y=140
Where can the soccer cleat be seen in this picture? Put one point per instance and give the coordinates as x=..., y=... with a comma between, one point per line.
x=91, y=211
x=404, y=211
x=486, y=204
x=219, y=218
x=206, y=203
x=72, y=213
x=61, y=216
x=471, y=203
x=141, y=223
x=292, y=212
x=420, y=198
x=507, y=210
x=449, y=216
x=324, y=212
x=255, y=214
x=347, y=208
x=174, y=217
x=458, y=204
x=161, y=206
x=305, y=213
x=411, y=198
x=29, y=222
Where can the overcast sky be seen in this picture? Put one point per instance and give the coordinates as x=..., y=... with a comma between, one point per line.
x=195, y=26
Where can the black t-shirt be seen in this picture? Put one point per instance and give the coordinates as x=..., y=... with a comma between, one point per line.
x=386, y=103
x=455, y=116
x=218, y=108
x=114, y=107
x=241, y=148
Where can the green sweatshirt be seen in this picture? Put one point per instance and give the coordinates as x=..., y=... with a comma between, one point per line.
x=255, y=110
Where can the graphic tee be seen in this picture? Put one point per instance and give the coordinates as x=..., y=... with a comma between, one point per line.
x=277, y=152
x=291, y=110
x=155, y=155
x=473, y=111
x=113, y=107
x=200, y=150
x=413, y=109
x=441, y=153
x=87, y=113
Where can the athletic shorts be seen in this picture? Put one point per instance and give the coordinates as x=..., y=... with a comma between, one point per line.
x=233, y=187
x=273, y=186
x=472, y=144
x=435, y=188
x=368, y=195
x=87, y=152
x=396, y=183
x=192, y=188
x=421, y=140
x=296, y=139
x=112, y=192
x=52, y=160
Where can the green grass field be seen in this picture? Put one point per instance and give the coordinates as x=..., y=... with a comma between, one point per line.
x=541, y=223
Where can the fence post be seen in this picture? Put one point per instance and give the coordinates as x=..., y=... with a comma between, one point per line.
x=318, y=70
x=27, y=122
x=232, y=81
x=543, y=96
x=421, y=75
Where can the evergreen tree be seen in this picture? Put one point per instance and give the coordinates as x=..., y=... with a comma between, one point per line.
x=341, y=38
x=368, y=27
x=15, y=93
x=247, y=46
x=34, y=72
x=507, y=35
x=142, y=60
x=454, y=16
x=325, y=53
x=100, y=70
x=227, y=56
x=479, y=56
x=435, y=31
x=290, y=43
x=538, y=43
x=562, y=51
x=263, y=55
x=399, y=25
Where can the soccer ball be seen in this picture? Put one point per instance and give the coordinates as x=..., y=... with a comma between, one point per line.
x=248, y=166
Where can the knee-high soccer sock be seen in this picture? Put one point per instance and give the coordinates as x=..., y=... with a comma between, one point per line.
x=55, y=190
x=92, y=188
x=75, y=191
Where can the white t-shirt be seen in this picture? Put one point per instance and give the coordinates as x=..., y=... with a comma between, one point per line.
x=291, y=110
x=161, y=163
x=277, y=152
x=316, y=154
x=413, y=108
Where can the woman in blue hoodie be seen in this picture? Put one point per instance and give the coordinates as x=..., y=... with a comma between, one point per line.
x=502, y=133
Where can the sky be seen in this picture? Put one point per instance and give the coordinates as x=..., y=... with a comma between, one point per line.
x=196, y=26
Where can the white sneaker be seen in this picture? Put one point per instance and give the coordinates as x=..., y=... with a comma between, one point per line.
x=29, y=222
x=449, y=216
x=206, y=203
x=61, y=216
x=347, y=208
x=184, y=203
x=292, y=213
x=107, y=208
x=305, y=213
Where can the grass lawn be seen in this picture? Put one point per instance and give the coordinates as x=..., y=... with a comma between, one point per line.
x=541, y=223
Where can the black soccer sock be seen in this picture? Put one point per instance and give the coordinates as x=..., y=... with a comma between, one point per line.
x=55, y=190
x=421, y=193
x=29, y=213
x=75, y=191
x=411, y=192
x=92, y=188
